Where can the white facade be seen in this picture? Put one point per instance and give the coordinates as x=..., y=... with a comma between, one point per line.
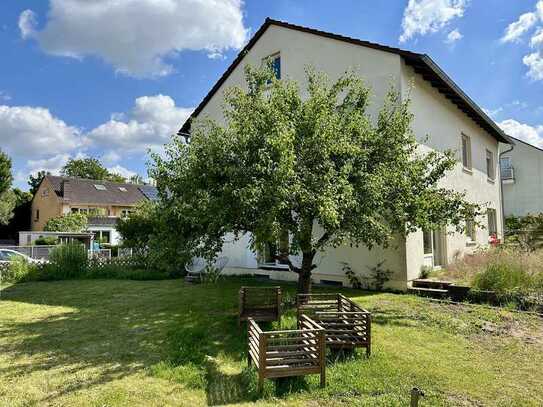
x=435, y=117
x=522, y=178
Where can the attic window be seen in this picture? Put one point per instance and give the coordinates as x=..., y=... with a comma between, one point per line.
x=122, y=189
x=100, y=187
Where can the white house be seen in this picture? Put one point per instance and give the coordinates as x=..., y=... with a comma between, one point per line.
x=522, y=179
x=442, y=111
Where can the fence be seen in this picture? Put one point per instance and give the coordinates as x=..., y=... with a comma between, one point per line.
x=42, y=252
x=34, y=252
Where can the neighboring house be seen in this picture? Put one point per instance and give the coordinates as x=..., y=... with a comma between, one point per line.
x=104, y=201
x=522, y=179
x=449, y=118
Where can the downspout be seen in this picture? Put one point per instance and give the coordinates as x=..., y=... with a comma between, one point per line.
x=501, y=188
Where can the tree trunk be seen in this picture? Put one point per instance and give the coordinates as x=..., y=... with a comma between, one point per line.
x=304, y=275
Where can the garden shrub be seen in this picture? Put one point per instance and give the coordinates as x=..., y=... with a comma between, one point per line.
x=66, y=261
x=46, y=241
x=503, y=278
x=17, y=270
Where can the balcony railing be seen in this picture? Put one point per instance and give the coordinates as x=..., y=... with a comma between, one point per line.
x=508, y=173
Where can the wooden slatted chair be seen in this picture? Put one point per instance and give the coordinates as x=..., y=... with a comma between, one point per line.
x=346, y=324
x=287, y=353
x=259, y=303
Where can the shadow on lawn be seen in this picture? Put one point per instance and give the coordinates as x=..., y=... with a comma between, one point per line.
x=117, y=329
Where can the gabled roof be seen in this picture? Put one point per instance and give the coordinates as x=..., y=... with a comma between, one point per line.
x=421, y=63
x=84, y=191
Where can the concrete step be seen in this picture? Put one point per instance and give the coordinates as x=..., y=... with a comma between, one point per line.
x=429, y=292
x=427, y=283
x=192, y=279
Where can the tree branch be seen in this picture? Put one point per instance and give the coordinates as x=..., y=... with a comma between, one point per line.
x=284, y=257
x=322, y=241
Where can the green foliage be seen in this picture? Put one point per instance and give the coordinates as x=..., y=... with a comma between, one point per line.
x=71, y=222
x=151, y=231
x=35, y=181
x=137, y=230
x=7, y=197
x=525, y=232
x=8, y=200
x=90, y=168
x=19, y=269
x=46, y=241
x=66, y=261
x=380, y=275
x=286, y=163
x=506, y=277
x=351, y=275
x=210, y=275
x=5, y=172
x=425, y=271
x=21, y=215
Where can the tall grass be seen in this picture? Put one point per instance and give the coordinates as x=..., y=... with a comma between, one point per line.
x=514, y=276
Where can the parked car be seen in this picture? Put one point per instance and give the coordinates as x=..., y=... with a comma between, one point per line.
x=8, y=255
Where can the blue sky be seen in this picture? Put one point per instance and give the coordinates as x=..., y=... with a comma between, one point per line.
x=112, y=79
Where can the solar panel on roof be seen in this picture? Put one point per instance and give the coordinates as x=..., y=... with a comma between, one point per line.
x=149, y=191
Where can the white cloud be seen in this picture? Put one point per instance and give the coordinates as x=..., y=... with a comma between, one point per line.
x=137, y=36
x=534, y=62
x=493, y=112
x=429, y=16
x=454, y=36
x=122, y=171
x=515, y=30
x=537, y=39
x=150, y=124
x=37, y=140
x=27, y=23
x=111, y=157
x=34, y=132
x=52, y=164
x=525, y=132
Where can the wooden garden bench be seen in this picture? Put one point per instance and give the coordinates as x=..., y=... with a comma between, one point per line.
x=287, y=353
x=259, y=303
x=346, y=324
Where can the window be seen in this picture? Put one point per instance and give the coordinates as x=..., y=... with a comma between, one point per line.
x=37, y=218
x=506, y=168
x=470, y=230
x=490, y=171
x=100, y=187
x=125, y=213
x=275, y=62
x=427, y=240
x=102, y=236
x=492, y=222
x=271, y=250
x=466, y=152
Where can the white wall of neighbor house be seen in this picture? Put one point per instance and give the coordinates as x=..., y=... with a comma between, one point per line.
x=435, y=116
x=439, y=125
x=523, y=193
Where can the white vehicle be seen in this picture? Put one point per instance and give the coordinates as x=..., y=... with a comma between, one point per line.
x=8, y=255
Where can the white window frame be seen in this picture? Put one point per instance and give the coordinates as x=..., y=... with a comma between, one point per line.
x=492, y=220
x=272, y=57
x=471, y=231
x=490, y=167
x=466, y=155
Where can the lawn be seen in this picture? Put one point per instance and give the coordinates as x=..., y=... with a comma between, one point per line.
x=157, y=343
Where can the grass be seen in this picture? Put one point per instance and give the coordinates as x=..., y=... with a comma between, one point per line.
x=159, y=343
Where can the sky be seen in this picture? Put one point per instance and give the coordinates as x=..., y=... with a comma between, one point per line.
x=115, y=79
